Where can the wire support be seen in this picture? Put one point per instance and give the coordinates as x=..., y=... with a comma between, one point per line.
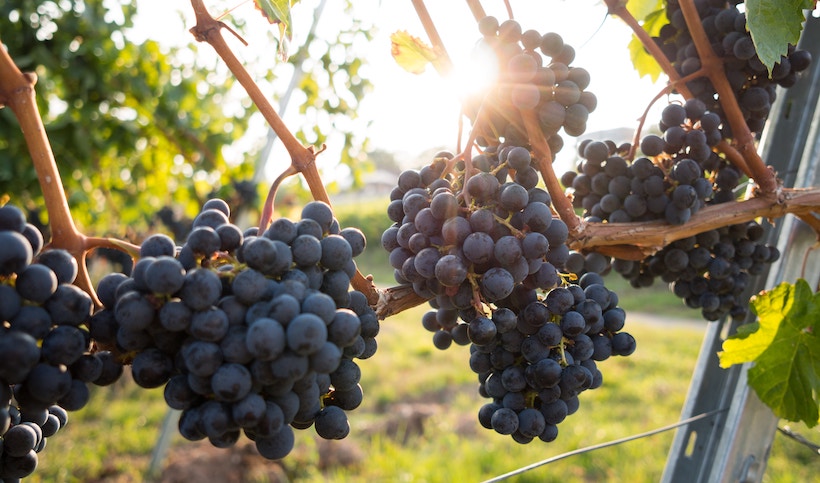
x=800, y=439
x=607, y=444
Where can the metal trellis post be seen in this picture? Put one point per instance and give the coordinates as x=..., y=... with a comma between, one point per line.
x=734, y=446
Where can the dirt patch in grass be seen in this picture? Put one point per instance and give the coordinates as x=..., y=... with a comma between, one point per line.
x=203, y=462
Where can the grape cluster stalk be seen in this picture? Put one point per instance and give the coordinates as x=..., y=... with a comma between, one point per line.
x=248, y=332
x=488, y=253
x=524, y=81
x=752, y=84
x=46, y=356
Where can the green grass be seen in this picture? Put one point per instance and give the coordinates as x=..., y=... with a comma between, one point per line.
x=418, y=424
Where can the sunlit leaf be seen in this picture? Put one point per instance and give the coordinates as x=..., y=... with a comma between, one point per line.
x=411, y=53
x=785, y=348
x=644, y=63
x=774, y=24
x=641, y=9
x=278, y=12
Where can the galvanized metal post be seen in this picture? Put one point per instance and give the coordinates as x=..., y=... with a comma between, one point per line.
x=734, y=446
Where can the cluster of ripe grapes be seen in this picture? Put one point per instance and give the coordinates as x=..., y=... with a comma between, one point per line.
x=46, y=362
x=249, y=332
x=725, y=27
x=678, y=175
x=482, y=244
x=554, y=90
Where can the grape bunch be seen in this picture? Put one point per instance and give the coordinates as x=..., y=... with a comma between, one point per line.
x=46, y=361
x=534, y=358
x=709, y=271
x=751, y=82
x=678, y=175
x=488, y=254
x=248, y=332
x=525, y=81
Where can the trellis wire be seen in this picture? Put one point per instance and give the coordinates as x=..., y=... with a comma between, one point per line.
x=605, y=445
x=800, y=439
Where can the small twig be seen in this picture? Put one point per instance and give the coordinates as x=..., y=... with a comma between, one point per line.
x=228, y=11
x=654, y=235
x=93, y=242
x=509, y=9
x=477, y=9
x=812, y=220
x=636, y=139
x=806, y=257
x=446, y=66
x=618, y=8
x=303, y=159
x=267, y=208
x=734, y=157
x=543, y=155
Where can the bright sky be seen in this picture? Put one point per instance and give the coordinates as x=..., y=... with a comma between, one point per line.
x=413, y=113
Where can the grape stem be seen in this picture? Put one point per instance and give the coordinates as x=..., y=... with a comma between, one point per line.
x=636, y=139
x=562, y=351
x=506, y=222
x=734, y=157
x=509, y=9
x=267, y=208
x=743, y=139
x=208, y=29
x=446, y=66
x=477, y=9
x=18, y=93
x=303, y=159
x=543, y=156
x=618, y=8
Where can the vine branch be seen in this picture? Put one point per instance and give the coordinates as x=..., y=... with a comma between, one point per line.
x=208, y=30
x=303, y=159
x=618, y=8
x=446, y=66
x=743, y=139
x=476, y=9
x=650, y=237
x=17, y=92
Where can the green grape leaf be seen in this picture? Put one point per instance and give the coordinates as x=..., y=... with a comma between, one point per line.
x=641, y=9
x=644, y=63
x=774, y=24
x=785, y=347
x=411, y=53
x=278, y=12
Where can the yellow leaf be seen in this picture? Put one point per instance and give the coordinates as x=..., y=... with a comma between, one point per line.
x=411, y=53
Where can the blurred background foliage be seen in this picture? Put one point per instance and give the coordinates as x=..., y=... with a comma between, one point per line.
x=142, y=132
